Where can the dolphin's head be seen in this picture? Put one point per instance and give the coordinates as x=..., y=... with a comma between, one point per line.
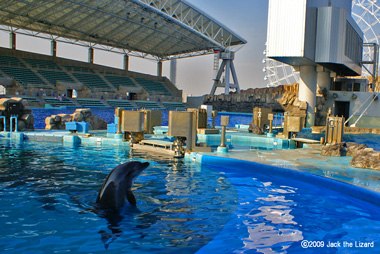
x=118, y=185
x=135, y=168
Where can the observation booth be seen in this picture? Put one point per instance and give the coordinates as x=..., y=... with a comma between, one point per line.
x=320, y=39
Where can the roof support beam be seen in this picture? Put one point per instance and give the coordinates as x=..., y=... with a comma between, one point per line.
x=12, y=40
x=159, y=68
x=91, y=55
x=53, y=48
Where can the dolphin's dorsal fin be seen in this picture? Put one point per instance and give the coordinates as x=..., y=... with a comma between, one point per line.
x=131, y=198
x=107, y=200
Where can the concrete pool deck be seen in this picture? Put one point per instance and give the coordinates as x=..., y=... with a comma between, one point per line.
x=307, y=159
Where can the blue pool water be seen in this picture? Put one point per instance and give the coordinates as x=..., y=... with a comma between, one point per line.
x=108, y=115
x=48, y=192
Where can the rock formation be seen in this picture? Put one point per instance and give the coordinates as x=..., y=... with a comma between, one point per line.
x=253, y=128
x=57, y=122
x=362, y=156
x=366, y=158
x=25, y=119
x=335, y=150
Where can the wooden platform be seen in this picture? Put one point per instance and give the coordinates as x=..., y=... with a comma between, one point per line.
x=157, y=146
x=301, y=141
x=307, y=141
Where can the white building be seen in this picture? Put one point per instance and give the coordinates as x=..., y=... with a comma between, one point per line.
x=319, y=38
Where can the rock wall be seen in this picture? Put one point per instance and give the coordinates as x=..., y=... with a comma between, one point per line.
x=25, y=119
x=248, y=99
x=279, y=99
x=57, y=122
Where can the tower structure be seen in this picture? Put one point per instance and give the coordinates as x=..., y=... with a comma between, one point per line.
x=228, y=68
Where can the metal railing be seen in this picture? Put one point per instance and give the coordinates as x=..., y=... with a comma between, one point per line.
x=11, y=121
x=5, y=123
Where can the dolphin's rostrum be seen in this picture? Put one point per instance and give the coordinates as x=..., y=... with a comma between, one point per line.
x=117, y=187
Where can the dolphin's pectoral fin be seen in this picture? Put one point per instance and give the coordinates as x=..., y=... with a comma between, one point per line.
x=108, y=200
x=131, y=198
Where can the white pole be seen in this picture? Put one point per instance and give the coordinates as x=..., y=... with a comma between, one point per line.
x=307, y=90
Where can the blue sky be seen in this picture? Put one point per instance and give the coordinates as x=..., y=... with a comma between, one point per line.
x=248, y=18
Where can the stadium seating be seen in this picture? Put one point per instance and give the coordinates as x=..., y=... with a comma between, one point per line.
x=148, y=104
x=153, y=87
x=78, y=69
x=35, y=71
x=22, y=75
x=93, y=81
x=54, y=76
x=56, y=103
x=42, y=64
x=10, y=61
x=120, y=104
x=174, y=105
x=29, y=98
x=91, y=103
x=38, y=86
x=117, y=81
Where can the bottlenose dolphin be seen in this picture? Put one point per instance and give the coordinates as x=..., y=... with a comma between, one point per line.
x=117, y=187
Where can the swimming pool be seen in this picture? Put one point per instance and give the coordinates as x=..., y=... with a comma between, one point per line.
x=48, y=192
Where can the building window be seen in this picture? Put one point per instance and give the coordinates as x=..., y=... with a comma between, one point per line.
x=356, y=87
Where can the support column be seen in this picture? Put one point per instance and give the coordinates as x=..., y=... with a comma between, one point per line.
x=159, y=69
x=90, y=55
x=53, y=48
x=228, y=68
x=323, y=78
x=126, y=62
x=12, y=40
x=173, y=70
x=227, y=77
x=307, y=91
x=235, y=78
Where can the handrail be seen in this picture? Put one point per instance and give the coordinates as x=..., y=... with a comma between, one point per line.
x=11, y=120
x=365, y=110
x=5, y=123
x=357, y=110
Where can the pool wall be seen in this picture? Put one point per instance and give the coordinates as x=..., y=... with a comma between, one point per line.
x=348, y=189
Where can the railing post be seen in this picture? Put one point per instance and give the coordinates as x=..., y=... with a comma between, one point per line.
x=5, y=123
x=11, y=121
